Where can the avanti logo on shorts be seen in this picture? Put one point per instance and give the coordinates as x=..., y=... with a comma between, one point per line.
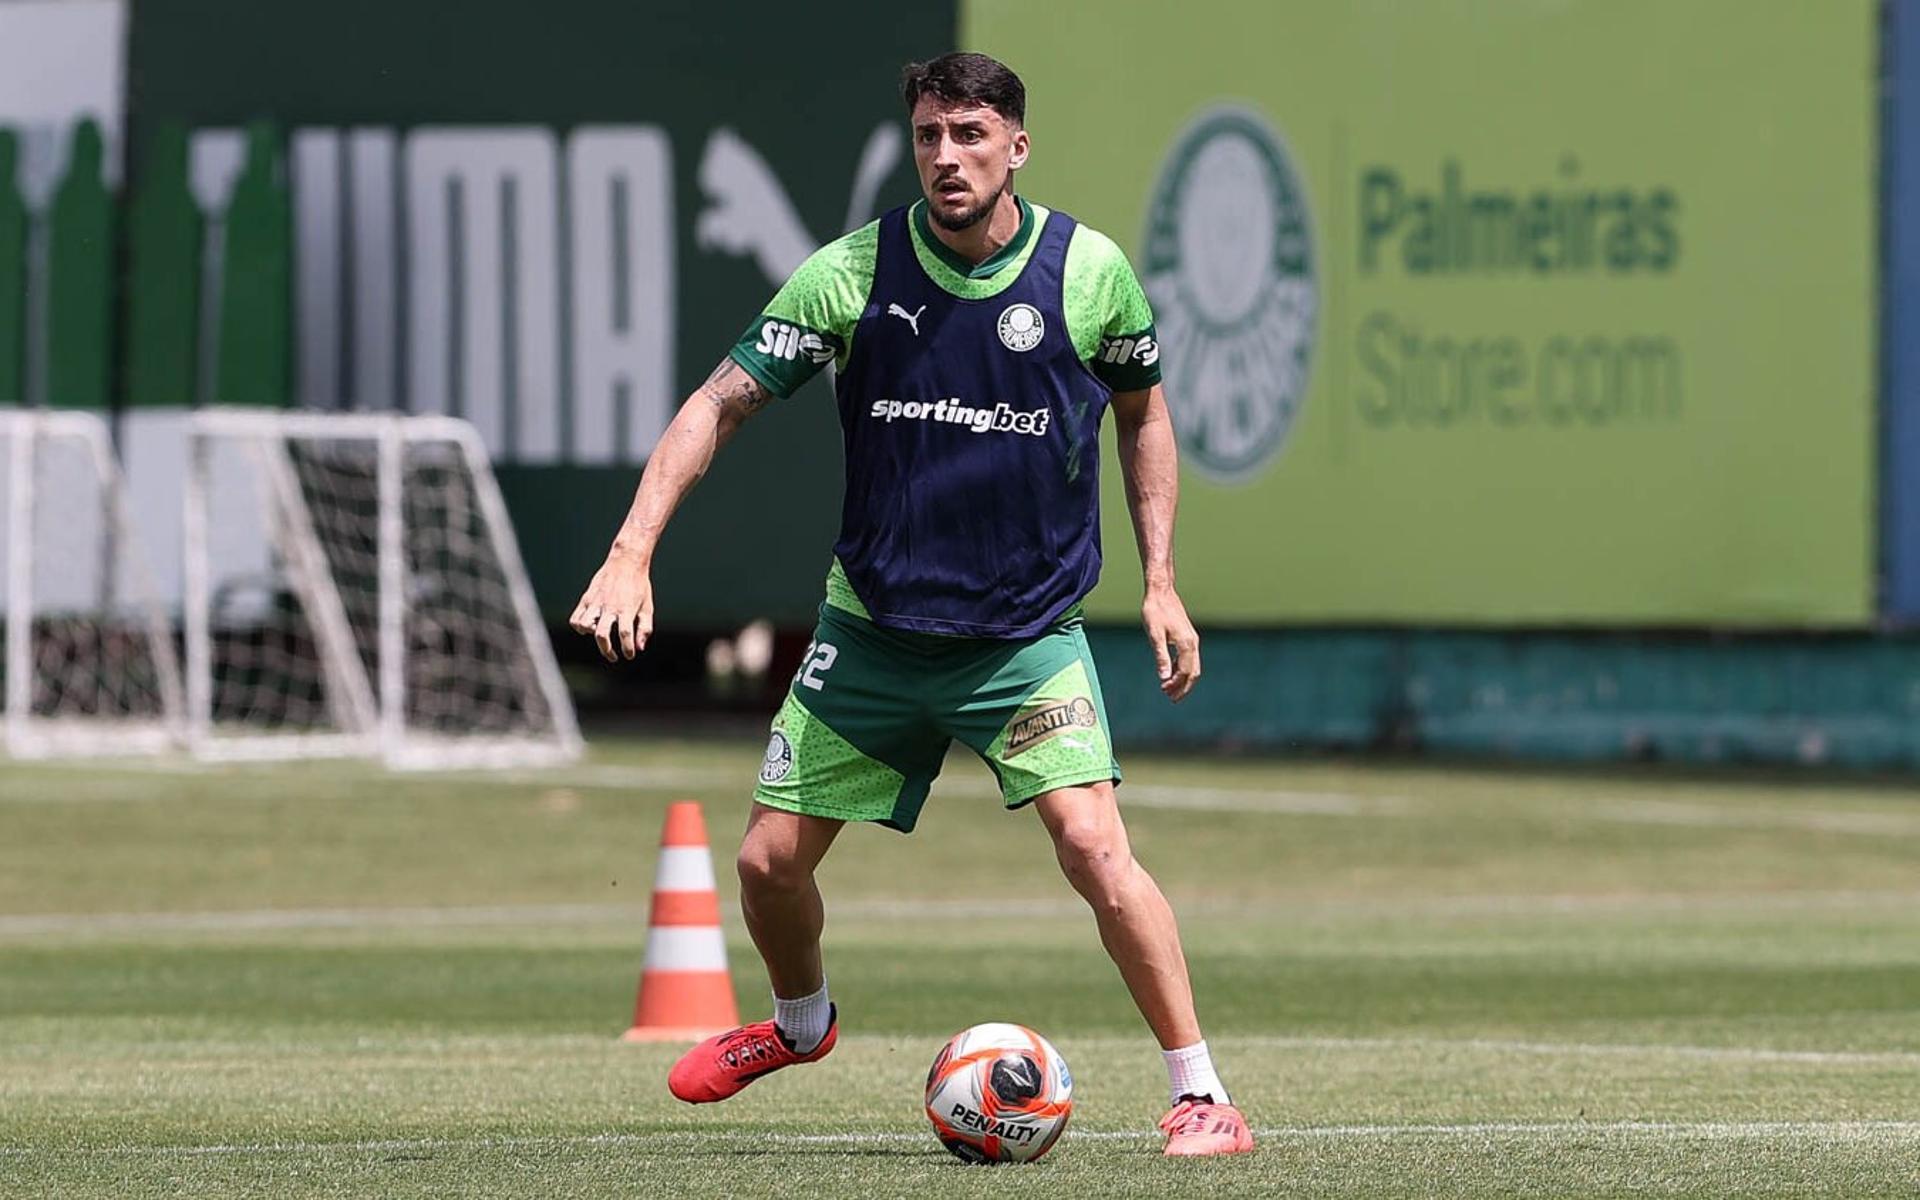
x=999, y=419
x=1033, y=726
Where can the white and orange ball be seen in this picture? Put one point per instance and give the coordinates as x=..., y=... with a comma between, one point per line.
x=999, y=1093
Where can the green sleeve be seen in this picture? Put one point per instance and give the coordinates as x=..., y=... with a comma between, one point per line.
x=1108, y=315
x=809, y=322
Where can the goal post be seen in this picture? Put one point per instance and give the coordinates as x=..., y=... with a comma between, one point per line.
x=353, y=586
x=90, y=666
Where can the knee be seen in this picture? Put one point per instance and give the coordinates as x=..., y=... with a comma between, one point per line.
x=766, y=869
x=1096, y=859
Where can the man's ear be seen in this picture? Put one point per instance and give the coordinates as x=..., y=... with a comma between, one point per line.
x=1021, y=146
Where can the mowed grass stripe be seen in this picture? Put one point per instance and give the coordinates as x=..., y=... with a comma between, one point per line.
x=970, y=785
x=420, y=1051
x=1882, y=1132
x=549, y=915
x=1250, y=982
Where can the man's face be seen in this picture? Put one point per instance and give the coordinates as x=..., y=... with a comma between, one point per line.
x=966, y=153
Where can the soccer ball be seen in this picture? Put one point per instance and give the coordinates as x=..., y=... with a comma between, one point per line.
x=999, y=1093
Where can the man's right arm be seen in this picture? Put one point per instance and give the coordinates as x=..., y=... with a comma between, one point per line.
x=808, y=323
x=617, y=607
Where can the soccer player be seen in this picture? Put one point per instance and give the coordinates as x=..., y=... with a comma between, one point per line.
x=979, y=338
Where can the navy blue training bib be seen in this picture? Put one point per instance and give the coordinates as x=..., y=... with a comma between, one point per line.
x=972, y=441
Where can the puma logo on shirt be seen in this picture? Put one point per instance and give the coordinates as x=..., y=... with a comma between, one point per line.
x=911, y=318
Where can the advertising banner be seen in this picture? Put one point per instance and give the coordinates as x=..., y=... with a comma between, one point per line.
x=61, y=61
x=554, y=223
x=61, y=96
x=1534, y=312
x=1900, y=535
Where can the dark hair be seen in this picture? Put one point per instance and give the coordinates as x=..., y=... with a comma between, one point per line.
x=963, y=78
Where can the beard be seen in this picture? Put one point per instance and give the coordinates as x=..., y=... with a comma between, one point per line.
x=970, y=217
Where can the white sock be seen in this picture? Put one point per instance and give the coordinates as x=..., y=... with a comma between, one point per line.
x=804, y=1021
x=1190, y=1073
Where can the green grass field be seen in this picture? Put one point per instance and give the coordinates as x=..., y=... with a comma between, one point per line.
x=327, y=981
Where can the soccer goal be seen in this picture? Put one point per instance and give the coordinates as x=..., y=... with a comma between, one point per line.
x=352, y=587
x=90, y=666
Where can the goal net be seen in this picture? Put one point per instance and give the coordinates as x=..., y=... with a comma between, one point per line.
x=90, y=666
x=353, y=587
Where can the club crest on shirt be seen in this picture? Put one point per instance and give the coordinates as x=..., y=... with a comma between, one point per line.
x=1034, y=726
x=1021, y=327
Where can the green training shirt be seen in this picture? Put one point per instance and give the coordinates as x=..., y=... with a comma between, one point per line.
x=810, y=321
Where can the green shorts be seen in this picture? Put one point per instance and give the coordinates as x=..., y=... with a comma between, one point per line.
x=872, y=711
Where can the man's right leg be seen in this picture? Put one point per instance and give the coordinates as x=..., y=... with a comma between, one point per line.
x=779, y=897
x=784, y=915
x=851, y=742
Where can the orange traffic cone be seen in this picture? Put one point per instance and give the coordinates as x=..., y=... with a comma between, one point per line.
x=685, y=992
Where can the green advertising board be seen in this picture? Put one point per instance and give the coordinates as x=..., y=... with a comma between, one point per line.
x=1533, y=312
x=552, y=221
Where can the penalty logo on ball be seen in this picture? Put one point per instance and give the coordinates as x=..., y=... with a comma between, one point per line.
x=999, y=1093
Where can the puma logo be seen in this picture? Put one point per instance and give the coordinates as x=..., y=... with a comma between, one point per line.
x=911, y=318
x=750, y=213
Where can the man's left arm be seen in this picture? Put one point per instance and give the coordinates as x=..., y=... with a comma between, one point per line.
x=1150, y=464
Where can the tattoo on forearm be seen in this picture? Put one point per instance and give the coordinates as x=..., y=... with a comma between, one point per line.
x=730, y=387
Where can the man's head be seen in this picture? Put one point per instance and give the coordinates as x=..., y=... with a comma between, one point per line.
x=968, y=114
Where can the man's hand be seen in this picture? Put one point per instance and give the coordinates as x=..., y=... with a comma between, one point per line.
x=1169, y=629
x=1150, y=461
x=617, y=607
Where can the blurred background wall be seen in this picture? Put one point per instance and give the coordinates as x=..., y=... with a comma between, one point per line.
x=1545, y=372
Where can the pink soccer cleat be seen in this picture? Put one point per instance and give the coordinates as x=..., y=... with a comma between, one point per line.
x=723, y=1064
x=1197, y=1127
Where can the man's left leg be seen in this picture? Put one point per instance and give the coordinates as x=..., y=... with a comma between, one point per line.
x=1138, y=929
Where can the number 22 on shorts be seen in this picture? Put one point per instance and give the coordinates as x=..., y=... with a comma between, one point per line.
x=819, y=658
